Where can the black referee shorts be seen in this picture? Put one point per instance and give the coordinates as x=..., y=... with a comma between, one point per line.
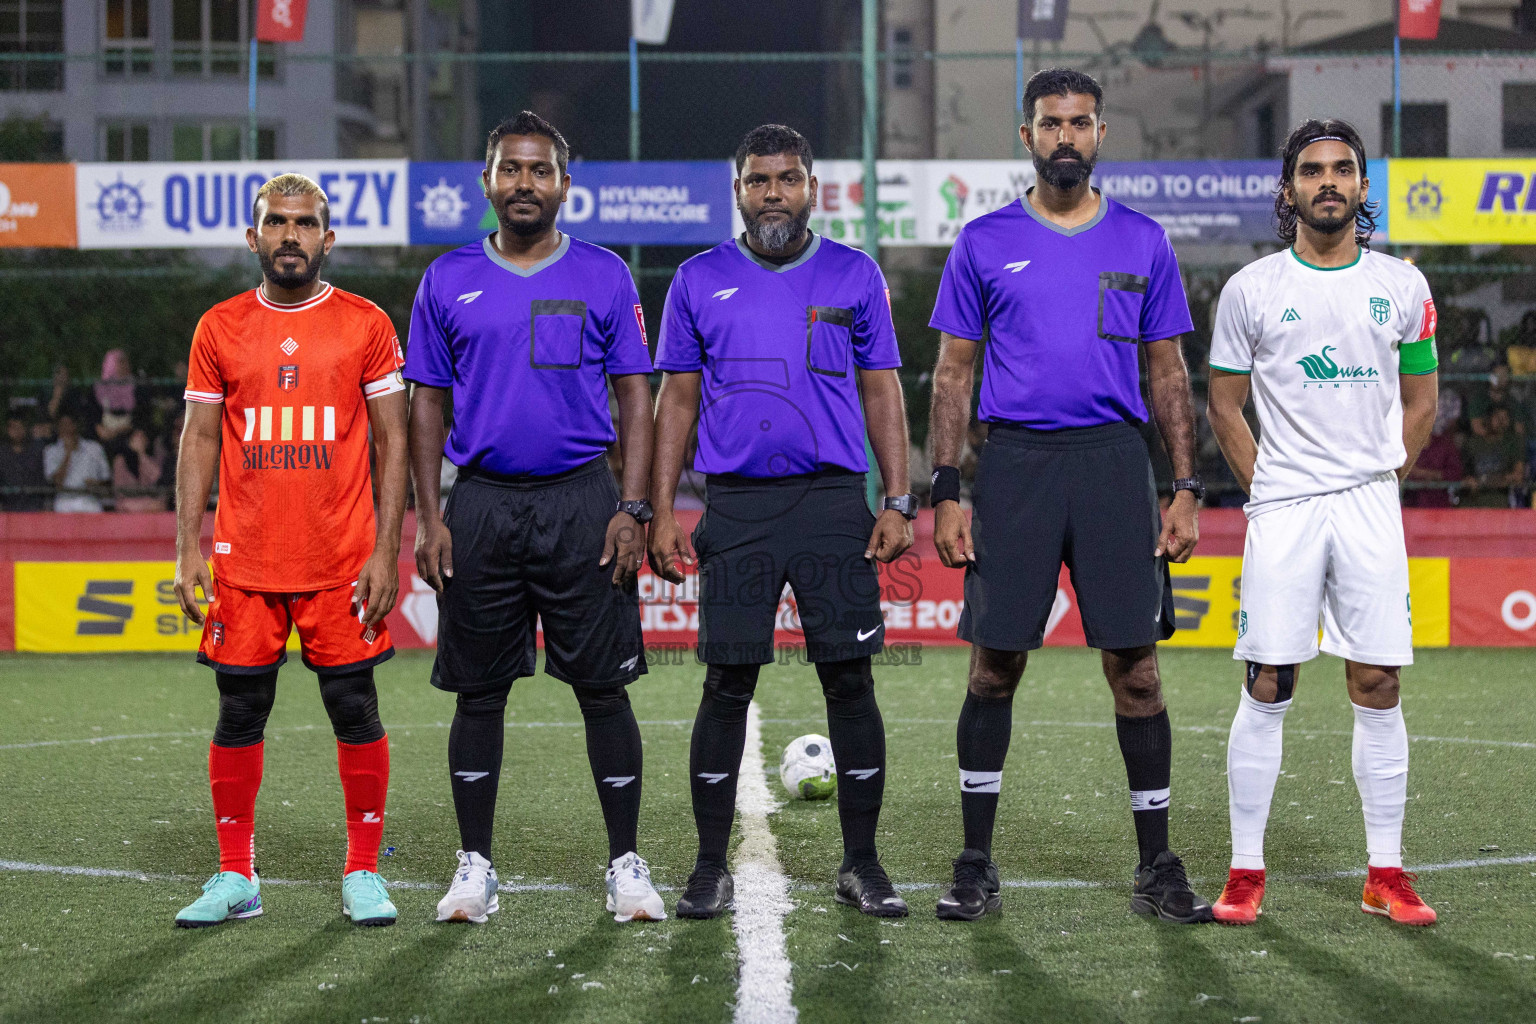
x=526, y=548
x=1081, y=496
x=810, y=531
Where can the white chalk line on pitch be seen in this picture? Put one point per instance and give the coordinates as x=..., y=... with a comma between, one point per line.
x=679, y=722
x=150, y=876
x=21, y=866
x=764, y=985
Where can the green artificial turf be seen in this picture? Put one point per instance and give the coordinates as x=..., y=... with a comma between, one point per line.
x=1064, y=948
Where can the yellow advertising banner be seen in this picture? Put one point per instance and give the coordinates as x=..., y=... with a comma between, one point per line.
x=85, y=607
x=1207, y=592
x=1463, y=202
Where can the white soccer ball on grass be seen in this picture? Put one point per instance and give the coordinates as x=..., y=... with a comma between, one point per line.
x=807, y=769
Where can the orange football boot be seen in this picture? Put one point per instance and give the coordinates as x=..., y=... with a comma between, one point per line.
x=1389, y=892
x=1240, y=898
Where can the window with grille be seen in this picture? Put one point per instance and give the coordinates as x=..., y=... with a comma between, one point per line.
x=31, y=27
x=126, y=45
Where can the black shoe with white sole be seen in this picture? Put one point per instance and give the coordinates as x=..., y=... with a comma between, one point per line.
x=867, y=887
x=710, y=890
x=976, y=889
x=1163, y=889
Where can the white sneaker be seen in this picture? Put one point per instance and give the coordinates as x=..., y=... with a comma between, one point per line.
x=472, y=895
x=631, y=897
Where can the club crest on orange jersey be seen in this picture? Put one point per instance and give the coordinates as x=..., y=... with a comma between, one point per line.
x=287, y=377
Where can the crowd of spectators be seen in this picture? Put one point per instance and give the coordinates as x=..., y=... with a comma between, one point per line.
x=112, y=445
x=109, y=445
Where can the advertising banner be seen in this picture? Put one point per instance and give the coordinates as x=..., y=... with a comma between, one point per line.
x=1493, y=602
x=37, y=205
x=1464, y=202
x=208, y=205
x=927, y=202
x=610, y=203
x=64, y=607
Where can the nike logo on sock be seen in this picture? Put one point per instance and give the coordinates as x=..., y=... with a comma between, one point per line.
x=981, y=782
x=620, y=781
x=1149, y=799
x=471, y=776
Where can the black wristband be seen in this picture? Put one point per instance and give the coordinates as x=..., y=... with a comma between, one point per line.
x=946, y=485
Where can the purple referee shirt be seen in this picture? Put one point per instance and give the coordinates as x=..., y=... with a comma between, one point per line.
x=1062, y=311
x=779, y=348
x=526, y=352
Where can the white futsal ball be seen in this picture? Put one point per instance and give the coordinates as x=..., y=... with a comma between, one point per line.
x=807, y=769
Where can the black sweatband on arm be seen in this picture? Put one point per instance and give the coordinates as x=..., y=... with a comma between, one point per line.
x=946, y=485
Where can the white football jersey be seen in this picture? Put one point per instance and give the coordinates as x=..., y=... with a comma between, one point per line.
x=1324, y=347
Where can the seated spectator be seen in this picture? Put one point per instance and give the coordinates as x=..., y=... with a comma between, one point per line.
x=77, y=467
x=64, y=399
x=134, y=472
x=1440, y=461
x=1495, y=463
x=117, y=395
x=1497, y=393
x=21, y=465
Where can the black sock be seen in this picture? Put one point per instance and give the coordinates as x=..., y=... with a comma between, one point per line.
x=474, y=765
x=1147, y=746
x=714, y=756
x=614, y=752
x=981, y=743
x=857, y=733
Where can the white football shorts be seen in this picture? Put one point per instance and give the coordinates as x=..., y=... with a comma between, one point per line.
x=1339, y=557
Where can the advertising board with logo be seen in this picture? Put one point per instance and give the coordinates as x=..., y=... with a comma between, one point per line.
x=206, y=205
x=927, y=202
x=1464, y=202
x=609, y=203
x=37, y=206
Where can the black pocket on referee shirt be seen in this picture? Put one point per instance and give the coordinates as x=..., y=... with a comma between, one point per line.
x=555, y=328
x=828, y=340
x=1120, y=301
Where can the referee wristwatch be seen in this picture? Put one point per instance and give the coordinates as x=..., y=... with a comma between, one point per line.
x=640, y=510
x=1192, y=484
x=906, y=505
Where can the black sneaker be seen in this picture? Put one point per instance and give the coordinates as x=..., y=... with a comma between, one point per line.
x=975, y=891
x=1163, y=889
x=710, y=890
x=866, y=886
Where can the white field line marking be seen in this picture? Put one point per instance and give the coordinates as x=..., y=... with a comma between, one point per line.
x=208, y=733
x=764, y=985
x=515, y=887
x=1222, y=729
x=681, y=722
x=150, y=876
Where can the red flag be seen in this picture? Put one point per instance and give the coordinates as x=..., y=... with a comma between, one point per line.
x=1418, y=19
x=282, y=21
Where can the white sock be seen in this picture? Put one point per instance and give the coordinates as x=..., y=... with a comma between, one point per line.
x=1381, y=773
x=1253, y=765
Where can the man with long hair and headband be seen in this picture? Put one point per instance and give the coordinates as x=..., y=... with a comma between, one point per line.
x=1337, y=344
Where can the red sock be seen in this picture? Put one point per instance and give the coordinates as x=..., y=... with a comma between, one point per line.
x=364, y=783
x=234, y=774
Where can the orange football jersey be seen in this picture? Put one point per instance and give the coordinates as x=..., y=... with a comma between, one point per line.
x=295, y=507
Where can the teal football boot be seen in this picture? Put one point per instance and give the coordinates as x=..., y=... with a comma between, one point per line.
x=364, y=900
x=227, y=896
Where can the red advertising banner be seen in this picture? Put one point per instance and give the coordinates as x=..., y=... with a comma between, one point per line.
x=1493, y=602
x=1418, y=19
x=37, y=206
x=280, y=21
